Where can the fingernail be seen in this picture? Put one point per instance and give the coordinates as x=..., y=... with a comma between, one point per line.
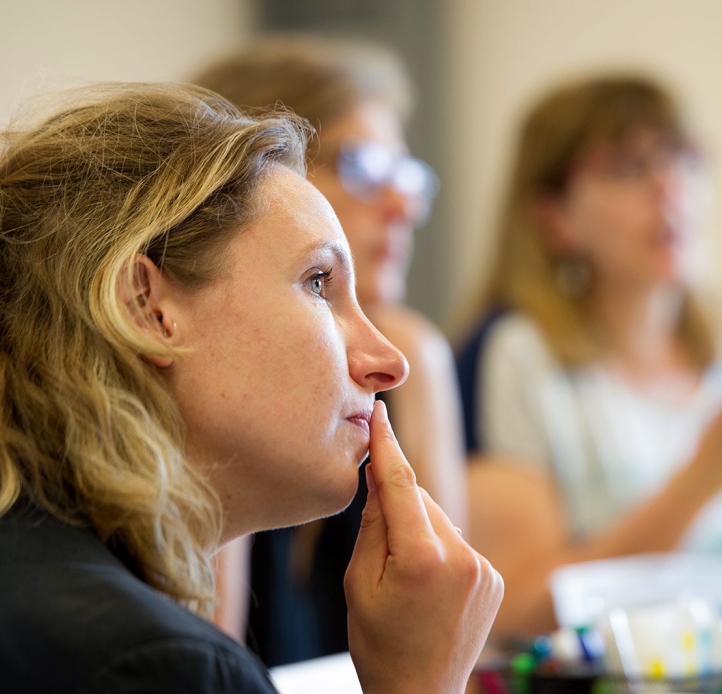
x=380, y=411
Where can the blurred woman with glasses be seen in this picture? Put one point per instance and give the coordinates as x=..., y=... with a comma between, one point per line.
x=594, y=369
x=358, y=98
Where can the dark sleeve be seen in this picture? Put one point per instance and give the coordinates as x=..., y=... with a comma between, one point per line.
x=180, y=666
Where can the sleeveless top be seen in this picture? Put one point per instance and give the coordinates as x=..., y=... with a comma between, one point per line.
x=608, y=444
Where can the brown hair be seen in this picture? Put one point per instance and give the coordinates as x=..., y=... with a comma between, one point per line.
x=88, y=432
x=318, y=78
x=556, y=133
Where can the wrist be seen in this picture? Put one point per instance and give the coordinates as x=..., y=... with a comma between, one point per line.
x=694, y=486
x=416, y=685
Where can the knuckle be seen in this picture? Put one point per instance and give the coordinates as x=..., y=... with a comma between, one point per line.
x=428, y=558
x=498, y=586
x=476, y=576
x=355, y=585
x=402, y=476
x=469, y=568
x=369, y=517
x=350, y=580
x=491, y=579
x=499, y=589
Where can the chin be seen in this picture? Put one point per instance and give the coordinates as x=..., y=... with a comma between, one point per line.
x=332, y=501
x=671, y=275
x=344, y=490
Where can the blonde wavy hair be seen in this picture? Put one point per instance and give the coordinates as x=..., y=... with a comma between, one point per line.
x=557, y=131
x=88, y=432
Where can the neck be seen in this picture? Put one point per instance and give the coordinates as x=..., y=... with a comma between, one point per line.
x=640, y=324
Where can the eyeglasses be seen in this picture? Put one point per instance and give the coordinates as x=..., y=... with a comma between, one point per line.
x=638, y=163
x=366, y=168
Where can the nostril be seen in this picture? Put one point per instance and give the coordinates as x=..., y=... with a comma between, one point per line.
x=382, y=377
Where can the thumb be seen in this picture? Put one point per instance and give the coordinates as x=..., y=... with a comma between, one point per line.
x=372, y=547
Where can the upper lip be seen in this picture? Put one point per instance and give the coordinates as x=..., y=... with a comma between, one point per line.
x=363, y=414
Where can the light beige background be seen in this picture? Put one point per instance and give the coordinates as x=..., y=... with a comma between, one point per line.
x=502, y=52
x=46, y=43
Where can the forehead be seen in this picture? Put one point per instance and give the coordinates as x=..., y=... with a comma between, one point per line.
x=295, y=212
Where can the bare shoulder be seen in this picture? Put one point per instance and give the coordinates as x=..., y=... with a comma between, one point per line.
x=507, y=502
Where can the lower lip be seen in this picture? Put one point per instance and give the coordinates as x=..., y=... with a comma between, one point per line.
x=361, y=423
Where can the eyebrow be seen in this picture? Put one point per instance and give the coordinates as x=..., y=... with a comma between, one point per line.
x=336, y=249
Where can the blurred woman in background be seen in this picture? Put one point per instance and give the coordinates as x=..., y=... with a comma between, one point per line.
x=593, y=370
x=358, y=98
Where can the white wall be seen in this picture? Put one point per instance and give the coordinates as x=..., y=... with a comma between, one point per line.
x=48, y=42
x=501, y=53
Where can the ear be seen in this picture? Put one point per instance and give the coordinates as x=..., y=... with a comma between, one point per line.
x=550, y=218
x=141, y=290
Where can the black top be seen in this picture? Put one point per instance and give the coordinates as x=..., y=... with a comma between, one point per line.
x=471, y=378
x=73, y=618
x=288, y=622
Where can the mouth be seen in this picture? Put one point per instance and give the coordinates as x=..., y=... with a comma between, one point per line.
x=393, y=251
x=361, y=420
x=669, y=237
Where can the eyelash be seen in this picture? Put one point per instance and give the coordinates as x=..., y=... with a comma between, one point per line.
x=326, y=277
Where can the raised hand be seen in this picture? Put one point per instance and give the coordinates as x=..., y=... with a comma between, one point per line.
x=421, y=601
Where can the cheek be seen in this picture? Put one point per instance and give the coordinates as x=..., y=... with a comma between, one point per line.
x=305, y=363
x=280, y=393
x=615, y=225
x=270, y=357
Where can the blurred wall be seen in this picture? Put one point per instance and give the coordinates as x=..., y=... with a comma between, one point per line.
x=502, y=53
x=48, y=42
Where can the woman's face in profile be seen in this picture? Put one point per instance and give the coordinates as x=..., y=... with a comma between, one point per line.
x=379, y=225
x=633, y=208
x=279, y=384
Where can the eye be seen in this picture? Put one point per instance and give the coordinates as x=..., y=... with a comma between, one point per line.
x=318, y=282
x=317, y=285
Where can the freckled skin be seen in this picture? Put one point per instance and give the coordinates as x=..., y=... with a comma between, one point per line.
x=275, y=370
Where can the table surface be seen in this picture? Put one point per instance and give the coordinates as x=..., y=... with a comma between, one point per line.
x=334, y=674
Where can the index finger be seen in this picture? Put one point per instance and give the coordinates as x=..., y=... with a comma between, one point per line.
x=401, y=501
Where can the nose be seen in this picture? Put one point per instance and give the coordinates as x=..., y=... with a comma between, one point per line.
x=667, y=177
x=398, y=205
x=373, y=362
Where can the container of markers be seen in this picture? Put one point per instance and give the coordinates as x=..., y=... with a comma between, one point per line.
x=666, y=647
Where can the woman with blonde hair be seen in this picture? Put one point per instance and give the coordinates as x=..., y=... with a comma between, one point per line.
x=594, y=374
x=358, y=98
x=183, y=361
